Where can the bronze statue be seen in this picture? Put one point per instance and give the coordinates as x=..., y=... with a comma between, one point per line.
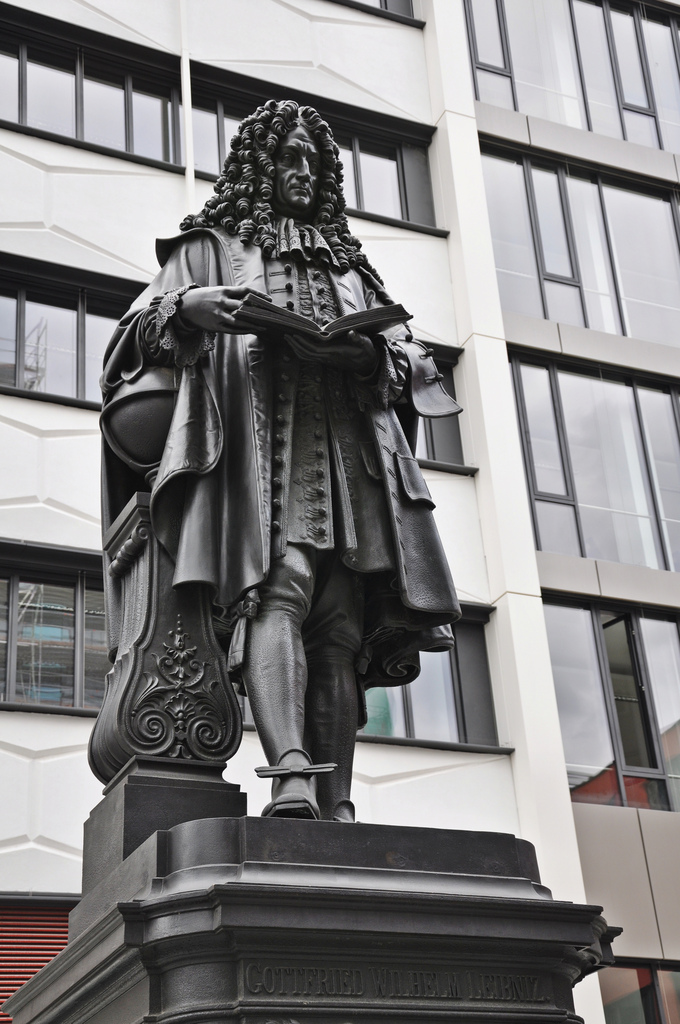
x=282, y=477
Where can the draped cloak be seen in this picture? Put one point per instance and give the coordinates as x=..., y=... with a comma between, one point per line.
x=211, y=502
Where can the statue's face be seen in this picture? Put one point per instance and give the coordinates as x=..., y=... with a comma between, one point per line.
x=297, y=164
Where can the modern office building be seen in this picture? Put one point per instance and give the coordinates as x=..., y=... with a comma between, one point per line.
x=511, y=171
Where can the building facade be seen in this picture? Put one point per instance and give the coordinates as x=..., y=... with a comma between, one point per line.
x=511, y=171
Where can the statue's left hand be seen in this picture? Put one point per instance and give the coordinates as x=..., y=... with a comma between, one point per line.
x=356, y=353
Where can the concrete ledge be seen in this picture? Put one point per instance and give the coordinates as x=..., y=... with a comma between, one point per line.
x=595, y=346
x=600, y=149
x=532, y=332
x=508, y=124
x=596, y=578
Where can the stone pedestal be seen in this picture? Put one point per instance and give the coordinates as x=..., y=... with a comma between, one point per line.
x=273, y=921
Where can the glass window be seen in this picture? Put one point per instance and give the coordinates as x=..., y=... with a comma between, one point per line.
x=597, y=68
x=640, y=128
x=96, y=661
x=206, y=144
x=230, y=128
x=9, y=87
x=628, y=55
x=513, y=244
x=669, y=984
x=50, y=349
x=8, y=328
x=545, y=446
x=544, y=60
x=385, y=707
x=664, y=451
x=151, y=126
x=51, y=98
x=629, y=711
x=647, y=263
x=488, y=32
x=4, y=627
x=98, y=333
x=665, y=81
x=45, y=634
x=593, y=255
x=557, y=530
x=104, y=113
x=380, y=184
x=556, y=256
x=628, y=995
x=349, y=184
x=433, y=709
x=662, y=651
x=495, y=89
x=588, y=747
x=610, y=481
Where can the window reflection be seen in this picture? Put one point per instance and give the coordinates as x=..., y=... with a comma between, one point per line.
x=647, y=264
x=98, y=332
x=487, y=32
x=628, y=995
x=544, y=60
x=627, y=703
x=545, y=448
x=8, y=325
x=385, y=707
x=597, y=69
x=45, y=634
x=662, y=652
x=348, y=183
x=557, y=528
x=51, y=99
x=50, y=349
x=513, y=244
x=432, y=705
x=665, y=80
x=96, y=662
x=380, y=184
x=151, y=125
x=9, y=87
x=206, y=144
x=669, y=983
x=495, y=89
x=556, y=256
x=588, y=748
x=104, y=113
x=593, y=255
x=664, y=450
x=4, y=621
x=607, y=459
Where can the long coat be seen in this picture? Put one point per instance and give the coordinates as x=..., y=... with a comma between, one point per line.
x=211, y=502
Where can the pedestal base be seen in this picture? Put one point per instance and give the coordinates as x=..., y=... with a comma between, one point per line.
x=271, y=921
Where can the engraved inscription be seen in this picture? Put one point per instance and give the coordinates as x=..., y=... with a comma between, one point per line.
x=392, y=983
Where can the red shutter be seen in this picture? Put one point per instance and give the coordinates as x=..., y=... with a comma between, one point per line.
x=29, y=937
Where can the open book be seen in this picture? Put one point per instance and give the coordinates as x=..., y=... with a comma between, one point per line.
x=259, y=315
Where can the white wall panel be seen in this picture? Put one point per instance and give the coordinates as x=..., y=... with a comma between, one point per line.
x=83, y=209
x=317, y=47
x=49, y=486
x=458, y=523
x=153, y=23
x=48, y=792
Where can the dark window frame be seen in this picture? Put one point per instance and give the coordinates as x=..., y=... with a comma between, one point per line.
x=446, y=359
x=67, y=567
x=633, y=379
x=139, y=68
x=601, y=178
x=395, y=10
x=633, y=612
x=638, y=10
x=70, y=288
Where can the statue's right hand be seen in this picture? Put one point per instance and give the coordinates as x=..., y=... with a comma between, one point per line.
x=212, y=309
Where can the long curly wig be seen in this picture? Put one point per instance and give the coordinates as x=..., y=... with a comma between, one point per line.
x=242, y=203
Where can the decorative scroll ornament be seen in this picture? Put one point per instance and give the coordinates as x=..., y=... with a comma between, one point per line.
x=180, y=711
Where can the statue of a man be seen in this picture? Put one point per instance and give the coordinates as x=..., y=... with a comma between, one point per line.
x=287, y=485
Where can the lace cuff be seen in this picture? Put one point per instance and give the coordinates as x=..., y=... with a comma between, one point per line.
x=188, y=347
